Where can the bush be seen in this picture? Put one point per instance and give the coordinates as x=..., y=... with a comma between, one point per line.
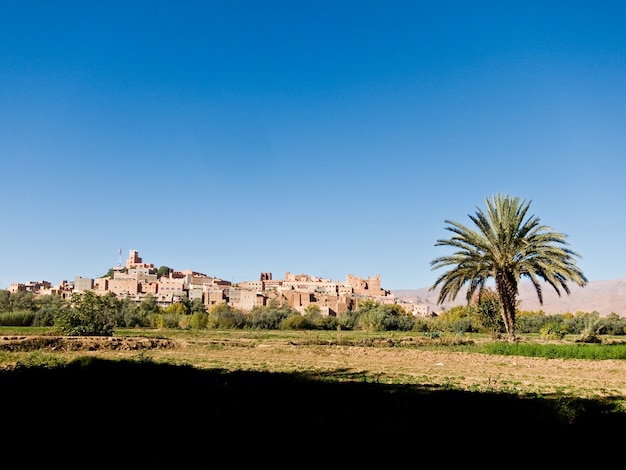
x=348, y=320
x=373, y=316
x=44, y=318
x=295, y=322
x=177, y=308
x=165, y=320
x=269, y=317
x=531, y=322
x=48, y=308
x=223, y=316
x=589, y=334
x=326, y=322
x=75, y=323
x=372, y=320
x=135, y=319
x=421, y=324
x=578, y=322
x=184, y=322
x=199, y=321
x=463, y=325
x=18, y=318
x=488, y=314
x=553, y=330
x=318, y=321
x=400, y=323
x=613, y=324
x=88, y=316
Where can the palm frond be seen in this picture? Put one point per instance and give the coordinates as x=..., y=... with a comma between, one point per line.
x=507, y=243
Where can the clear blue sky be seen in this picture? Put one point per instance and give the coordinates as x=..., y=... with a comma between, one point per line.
x=318, y=137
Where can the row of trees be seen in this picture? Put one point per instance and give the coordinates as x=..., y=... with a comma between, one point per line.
x=89, y=314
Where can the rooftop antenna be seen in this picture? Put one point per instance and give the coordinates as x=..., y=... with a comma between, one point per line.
x=119, y=262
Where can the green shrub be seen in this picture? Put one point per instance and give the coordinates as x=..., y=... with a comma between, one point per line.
x=589, y=333
x=135, y=319
x=531, y=322
x=487, y=315
x=88, y=316
x=577, y=323
x=177, y=308
x=184, y=322
x=421, y=324
x=463, y=325
x=295, y=322
x=612, y=324
x=374, y=316
x=269, y=317
x=348, y=320
x=48, y=308
x=553, y=330
x=168, y=320
x=75, y=323
x=324, y=322
x=372, y=320
x=223, y=316
x=44, y=318
x=17, y=318
x=199, y=321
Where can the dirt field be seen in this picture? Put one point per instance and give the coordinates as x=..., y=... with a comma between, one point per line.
x=249, y=400
x=467, y=371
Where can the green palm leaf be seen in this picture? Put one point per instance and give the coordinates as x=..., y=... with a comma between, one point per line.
x=506, y=246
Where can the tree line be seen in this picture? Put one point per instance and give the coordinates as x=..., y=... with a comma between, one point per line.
x=88, y=314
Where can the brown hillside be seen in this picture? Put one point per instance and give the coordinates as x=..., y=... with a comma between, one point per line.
x=604, y=297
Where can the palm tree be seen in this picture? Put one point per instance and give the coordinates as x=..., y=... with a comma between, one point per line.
x=505, y=247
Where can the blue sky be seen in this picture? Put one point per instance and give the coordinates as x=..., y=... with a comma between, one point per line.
x=318, y=137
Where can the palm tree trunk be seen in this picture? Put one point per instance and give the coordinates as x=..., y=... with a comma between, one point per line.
x=506, y=286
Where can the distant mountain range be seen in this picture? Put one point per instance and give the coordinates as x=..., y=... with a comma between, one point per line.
x=604, y=297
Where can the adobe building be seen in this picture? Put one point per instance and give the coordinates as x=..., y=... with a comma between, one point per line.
x=134, y=261
x=137, y=279
x=369, y=286
x=82, y=284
